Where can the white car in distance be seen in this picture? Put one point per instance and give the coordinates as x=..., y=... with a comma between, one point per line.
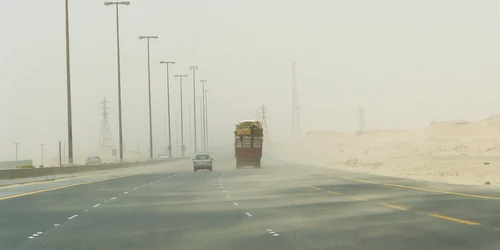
x=203, y=161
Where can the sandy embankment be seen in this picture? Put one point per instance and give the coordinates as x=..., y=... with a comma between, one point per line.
x=458, y=152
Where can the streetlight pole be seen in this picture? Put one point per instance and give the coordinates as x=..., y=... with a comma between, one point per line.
x=203, y=132
x=17, y=144
x=190, y=131
x=42, y=152
x=194, y=68
x=168, y=108
x=183, y=148
x=206, y=117
x=68, y=86
x=120, y=133
x=149, y=94
x=60, y=158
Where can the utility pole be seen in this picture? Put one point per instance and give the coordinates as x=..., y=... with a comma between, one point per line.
x=42, y=152
x=168, y=109
x=295, y=107
x=361, y=120
x=17, y=144
x=68, y=86
x=120, y=131
x=64, y=152
x=60, y=156
x=202, y=148
x=194, y=68
x=190, y=131
x=183, y=147
x=149, y=95
x=203, y=121
x=206, y=119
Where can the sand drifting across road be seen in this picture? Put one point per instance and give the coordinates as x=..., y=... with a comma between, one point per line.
x=459, y=152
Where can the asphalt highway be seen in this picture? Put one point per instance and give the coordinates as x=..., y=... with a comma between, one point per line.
x=281, y=206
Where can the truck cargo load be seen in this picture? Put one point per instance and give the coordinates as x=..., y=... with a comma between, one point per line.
x=248, y=140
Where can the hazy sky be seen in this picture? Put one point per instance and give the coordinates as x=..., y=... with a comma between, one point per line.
x=406, y=62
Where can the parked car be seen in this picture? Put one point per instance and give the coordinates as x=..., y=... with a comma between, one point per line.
x=93, y=160
x=203, y=161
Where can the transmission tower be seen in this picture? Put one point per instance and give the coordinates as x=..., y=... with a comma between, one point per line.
x=263, y=113
x=105, y=139
x=361, y=120
x=295, y=107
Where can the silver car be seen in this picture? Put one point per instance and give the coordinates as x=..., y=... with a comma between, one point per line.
x=203, y=161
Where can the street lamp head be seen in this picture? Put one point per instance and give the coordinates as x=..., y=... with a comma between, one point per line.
x=113, y=3
x=143, y=37
x=193, y=67
x=166, y=62
x=180, y=75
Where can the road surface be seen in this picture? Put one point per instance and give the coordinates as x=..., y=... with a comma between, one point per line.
x=281, y=206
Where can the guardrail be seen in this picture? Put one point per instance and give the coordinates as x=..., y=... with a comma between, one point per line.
x=9, y=174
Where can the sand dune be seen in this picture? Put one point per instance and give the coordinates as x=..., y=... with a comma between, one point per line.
x=458, y=152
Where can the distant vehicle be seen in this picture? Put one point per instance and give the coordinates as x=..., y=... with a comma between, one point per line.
x=249, y=136
x=93, y=160
x=164, y=156
x=203, y=161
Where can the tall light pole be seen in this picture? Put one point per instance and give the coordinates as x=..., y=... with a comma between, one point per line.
x=42, y=152
x=190, y=126
x=60, y=158
x=202, y=147
x=183, y=148
x=168, y=108
x=17, y=144
x=194, y=68
x=68, y=87
x=205, y=94
x=203, y=132
x=120, y=134
x=149, y=94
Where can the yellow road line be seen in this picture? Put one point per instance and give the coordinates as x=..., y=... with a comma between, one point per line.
x=331, y=192
x=454, y=219
x=423, y=189
x=358, y=198
x=316, y=188
x=393, y=206
x=61, y=187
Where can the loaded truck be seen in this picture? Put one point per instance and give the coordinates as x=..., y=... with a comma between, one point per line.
x=249, y=136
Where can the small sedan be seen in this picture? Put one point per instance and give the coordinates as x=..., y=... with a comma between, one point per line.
x=202, y=161
x=93, y=160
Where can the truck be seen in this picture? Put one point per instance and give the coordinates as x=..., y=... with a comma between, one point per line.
x=249, y=137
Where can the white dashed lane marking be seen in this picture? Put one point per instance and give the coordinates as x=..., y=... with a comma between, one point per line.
x=97, y=205
x=248, y=214
x=235, y=203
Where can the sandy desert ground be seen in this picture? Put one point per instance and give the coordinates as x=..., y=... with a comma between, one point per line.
x=458, y=152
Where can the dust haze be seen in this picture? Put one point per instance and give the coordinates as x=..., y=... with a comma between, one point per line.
x=408, y=64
